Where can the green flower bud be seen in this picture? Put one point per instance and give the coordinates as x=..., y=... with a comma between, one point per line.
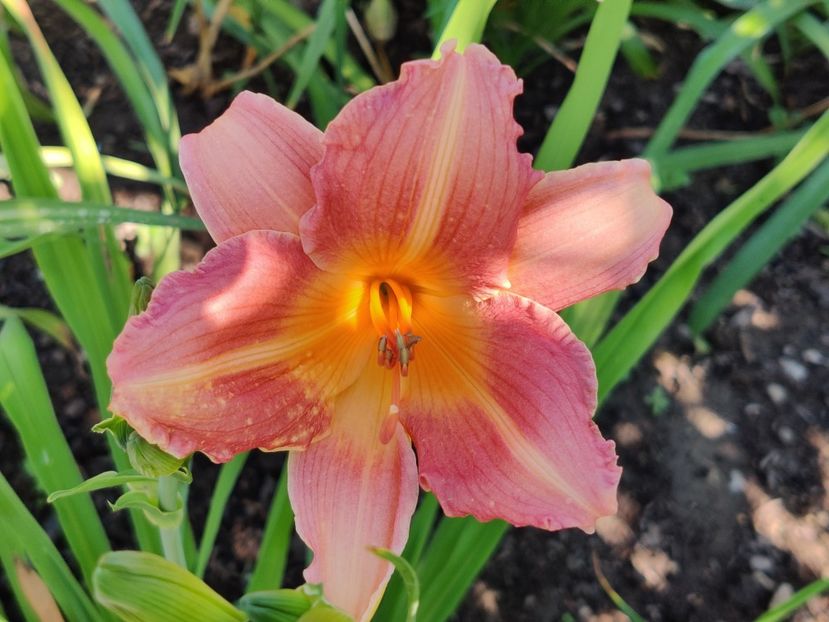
x=275, y=605
x=149, y=459
x=381, y=20
x=141, y=292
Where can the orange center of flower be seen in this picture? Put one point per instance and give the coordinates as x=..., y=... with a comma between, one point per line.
x=390, y=307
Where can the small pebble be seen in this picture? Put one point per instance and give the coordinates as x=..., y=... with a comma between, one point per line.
x=794, y=370
x=760, y=563
x=815, y=357
x=786, y=435
x=753, y=409
x=736, y=482
x=783, y=593
x=777, y=393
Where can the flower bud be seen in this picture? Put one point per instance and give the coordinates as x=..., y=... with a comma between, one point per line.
x=381, y=20
x=149, y=459
x=275, y=605
x=140, y=298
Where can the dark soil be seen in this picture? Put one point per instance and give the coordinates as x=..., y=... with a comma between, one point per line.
x=725, y=448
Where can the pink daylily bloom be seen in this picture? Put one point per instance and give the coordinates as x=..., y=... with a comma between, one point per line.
x=389, y=284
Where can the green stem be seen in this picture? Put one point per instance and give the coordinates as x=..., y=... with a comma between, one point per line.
x=171, y=542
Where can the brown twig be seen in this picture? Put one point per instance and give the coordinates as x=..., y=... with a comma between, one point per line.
x=382, y=74
x=545, y=45
x=797, y=116
x=225, y=83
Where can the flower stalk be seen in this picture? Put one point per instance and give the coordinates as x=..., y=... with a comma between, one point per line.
x=171, y=542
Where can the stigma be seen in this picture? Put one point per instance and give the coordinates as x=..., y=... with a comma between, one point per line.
x=390, y=307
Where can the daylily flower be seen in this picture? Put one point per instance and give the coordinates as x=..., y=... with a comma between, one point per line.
x=391, y=285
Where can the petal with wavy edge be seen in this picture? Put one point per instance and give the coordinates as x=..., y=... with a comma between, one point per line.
x=351, y=492
x=425, y=171
x=586, y=231
x=246, y=351
x=499, y=407
x=250, y=168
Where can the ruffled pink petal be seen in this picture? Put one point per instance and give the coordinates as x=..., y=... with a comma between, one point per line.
x=586, y=231
x=351, y=492
x=423, y=171
x=499, y=409
x=249, y=169
x=247, y=351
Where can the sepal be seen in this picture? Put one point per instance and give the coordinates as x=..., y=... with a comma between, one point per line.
x=139, y=586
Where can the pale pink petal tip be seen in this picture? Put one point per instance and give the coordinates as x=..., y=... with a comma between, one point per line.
x=587, y=230
x=250, y=168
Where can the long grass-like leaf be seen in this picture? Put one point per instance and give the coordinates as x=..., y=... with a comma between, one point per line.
x=801, y=597
x=30, y=216
x=41, y=319
x=570, y=126
x=629, y=340
x=109, y=265
x=273, y=552
x=761, y=248
x=228, y=475
x=25, y=541
x=744, y=32
x=314, y=49
x=465, y=25
x=25, y=399
x=63, y=260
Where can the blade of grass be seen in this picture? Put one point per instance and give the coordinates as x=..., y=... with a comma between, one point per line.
x=228, y=475
x=61, y=157
x=744, y=32
x=24, y=539
x=276, y=539
x=41, y=319
x=671, y=169
x=465, y=25
x=775, y=233
x=393, y=605
x=798, y=599
x=100, y=242
x=30, y=216
x=457, y=553
x=570, y=126
x=25, y=399
x=318, y=41
x=63, y=262
x=627, y=342
x=814, y=31
x=295, y=20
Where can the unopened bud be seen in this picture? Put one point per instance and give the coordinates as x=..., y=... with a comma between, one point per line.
x=381, y=20
x=275, y=605
x=149, y=459
x=141, y=292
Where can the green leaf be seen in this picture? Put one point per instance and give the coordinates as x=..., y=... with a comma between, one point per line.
x=569, y=128
x=273, y=552
x=324, y=613
x=319, y=40
x=798, y=599
x=24, y=539
x=64, y=262
x=275, y=605
x=149, y=459
x=31, y=216
x=743, y=33
x=107, y=479
x=616, y=354
x=466, y=24
x=41, y=319
x=409, y=577
x=25, y=399
x=148, y=503
x=775, y=233
x=142, y=587
x=228, y=475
